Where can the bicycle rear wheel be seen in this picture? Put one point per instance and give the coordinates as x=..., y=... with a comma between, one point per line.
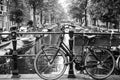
x=48, y=71
x=102, y=66
x=118, y=63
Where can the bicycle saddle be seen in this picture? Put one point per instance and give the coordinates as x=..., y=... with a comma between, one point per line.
x=90, y=36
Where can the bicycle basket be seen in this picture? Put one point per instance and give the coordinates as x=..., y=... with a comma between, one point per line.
x=115, y=41
x=80, y=40
x=103, y=40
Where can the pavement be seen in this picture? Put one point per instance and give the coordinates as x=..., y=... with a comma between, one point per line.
x=64, y=77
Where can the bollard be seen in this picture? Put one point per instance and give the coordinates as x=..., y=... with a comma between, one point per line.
x=71, y=71
x=15, y=72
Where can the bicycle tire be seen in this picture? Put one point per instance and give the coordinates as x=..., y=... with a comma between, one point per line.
x=47, y=71
x=118, y=63
x=100, y=69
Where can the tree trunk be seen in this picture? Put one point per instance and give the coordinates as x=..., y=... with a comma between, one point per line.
x=49, y=18
x=34, y=18
x=110, y=25
x=118, y=26
x=86, y=21
x=41, y=16
x=18, y=24
x=107, y=25
x=86, y=18
x=95, y=22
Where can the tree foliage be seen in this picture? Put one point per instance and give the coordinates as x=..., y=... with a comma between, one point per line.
x=16, y=16
x=78, y=10
x=52, y=10
x=58, y=12
x=16, y=11
x=105, y=10
x=35, y=4
x=20, y=6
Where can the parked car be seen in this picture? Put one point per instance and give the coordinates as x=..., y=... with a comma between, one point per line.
x=23, y=29
x=5, y=37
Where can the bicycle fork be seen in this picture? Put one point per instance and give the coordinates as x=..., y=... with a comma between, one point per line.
x=50, y=61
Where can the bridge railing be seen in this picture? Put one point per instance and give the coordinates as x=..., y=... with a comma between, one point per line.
x=15, y=55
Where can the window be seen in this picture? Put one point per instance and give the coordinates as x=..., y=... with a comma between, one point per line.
x=1, y=13
x=1, y=2
x=1, y=8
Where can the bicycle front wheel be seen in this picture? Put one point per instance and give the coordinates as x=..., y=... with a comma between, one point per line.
x=45, y=69
x=100, y=63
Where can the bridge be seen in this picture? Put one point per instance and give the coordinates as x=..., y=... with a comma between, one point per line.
x=35, y=76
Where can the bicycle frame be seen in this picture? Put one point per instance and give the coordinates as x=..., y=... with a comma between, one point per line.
x=67, y=51
x=64, y=48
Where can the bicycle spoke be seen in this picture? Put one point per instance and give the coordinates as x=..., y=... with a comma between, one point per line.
x=91, y=64
x=106, y=67
x=45, y=68
x=94, y=71
x=106, y=58
x=97, y=71
x=100, y=55
x=48, y=60
x=96, y=57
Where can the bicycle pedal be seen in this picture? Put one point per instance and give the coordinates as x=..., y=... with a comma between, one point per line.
x=79, y=67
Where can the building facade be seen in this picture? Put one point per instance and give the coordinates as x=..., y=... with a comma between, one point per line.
x=4, y=21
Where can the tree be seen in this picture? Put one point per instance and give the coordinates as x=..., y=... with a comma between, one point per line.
x=16, y=16
x=51, y=11
x=17, y=11
x=76, y=13
x=35, y=4
x=105, y=10
x=58, y=12
x=78, y=9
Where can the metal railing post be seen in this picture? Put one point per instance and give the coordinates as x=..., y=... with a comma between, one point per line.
x=71, y=71
x=15, y=72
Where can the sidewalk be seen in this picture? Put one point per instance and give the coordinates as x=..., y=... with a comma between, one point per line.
x=64, y=77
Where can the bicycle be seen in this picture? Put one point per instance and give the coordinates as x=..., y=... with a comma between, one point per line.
x=51, y=62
